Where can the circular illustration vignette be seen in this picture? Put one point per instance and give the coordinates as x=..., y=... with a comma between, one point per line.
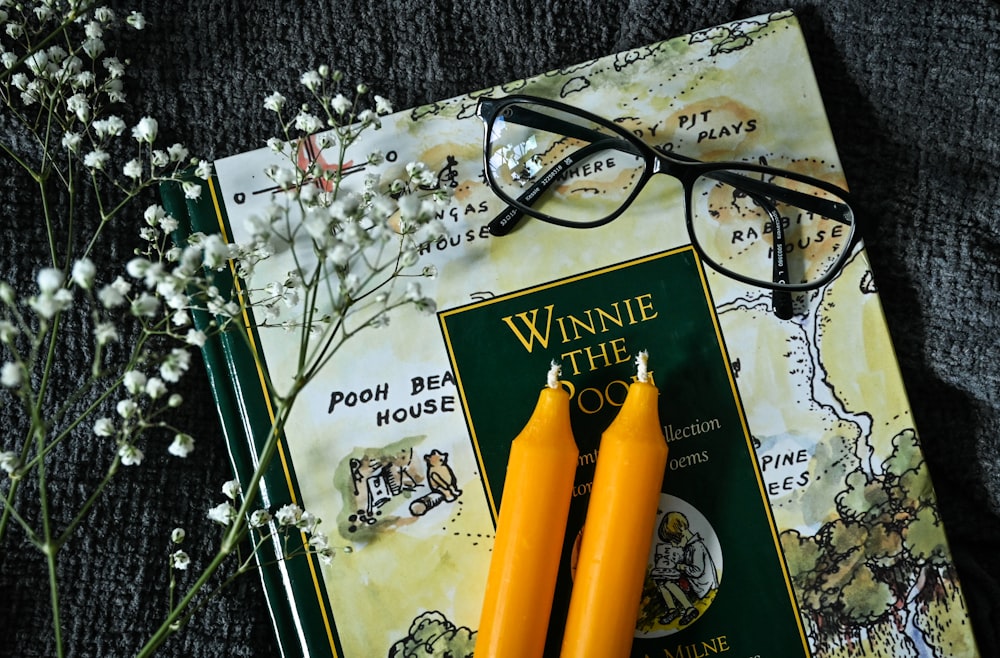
x=684, y=570
x=683, y=573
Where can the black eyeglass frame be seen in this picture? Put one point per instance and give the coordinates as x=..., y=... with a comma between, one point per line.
x=686, y=170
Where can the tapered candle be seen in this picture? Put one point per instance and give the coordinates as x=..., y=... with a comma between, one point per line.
x=530, y=531
x=618, y=530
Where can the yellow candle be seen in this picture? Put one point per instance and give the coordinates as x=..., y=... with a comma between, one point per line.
x=530, y=531
x=618, y=530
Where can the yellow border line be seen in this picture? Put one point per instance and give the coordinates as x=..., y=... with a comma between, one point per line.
x=753, y=458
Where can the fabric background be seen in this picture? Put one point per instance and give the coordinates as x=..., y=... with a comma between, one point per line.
x=911, y=88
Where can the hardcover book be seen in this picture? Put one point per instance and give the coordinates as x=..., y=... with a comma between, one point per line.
x=796, y=516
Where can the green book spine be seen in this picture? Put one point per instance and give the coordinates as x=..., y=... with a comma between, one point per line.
x=237, y=378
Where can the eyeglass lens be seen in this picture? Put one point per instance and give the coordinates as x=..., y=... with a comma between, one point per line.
x=739, y=227
x=575, y=179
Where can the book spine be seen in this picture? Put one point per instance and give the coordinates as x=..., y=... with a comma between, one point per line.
x=292, y=587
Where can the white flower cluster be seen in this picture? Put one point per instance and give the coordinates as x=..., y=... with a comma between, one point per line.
x=335, y=110
x=156, y=292
x=74, y=84
x=354, y=236
x=287, y=518
x=179, y=559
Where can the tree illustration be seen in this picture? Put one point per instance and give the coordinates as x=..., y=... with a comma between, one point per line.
x=881, y=560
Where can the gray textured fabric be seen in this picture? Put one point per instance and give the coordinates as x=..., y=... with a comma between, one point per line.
x=911, y=88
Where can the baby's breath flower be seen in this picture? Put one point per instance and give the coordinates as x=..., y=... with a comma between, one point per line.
x=9, y=461
x=223, y=513
x=47, y=304
x=8, y=331
x=216, y=252
x=113, y=294
x=113, y=66
x=134, y=382
x=96, y=159
x=175, y=400
x=113, y=88
x=136, y=20
x=179, y=559
x=93, y=47
x=175, y=365
x=11, y=374
x=195, y=338
x=145, y=306
x=82, y=79
x=274, y=102
x=145, y=130
x=83, y=273
x=180, y=319
x=311, y=80
x=260, y=518
x=155, y=388
x=177, y=153
x=182, y=445
x=105, y=332
x=126, y=408
x=203, y=170
x=104, y=427
x=307, y=122
x=168, y=225
x=288, y=515
x=177, y=535
x=191, y=190
x=231, y=489
x=307, y=522
x=93, y=30
x=110, y=127
x=49, y=279
x=130, y=455
x=37, y=62
x=382, y=106
x=368, y=118
x=284, y=177
x=132, y=169
x=340, y=104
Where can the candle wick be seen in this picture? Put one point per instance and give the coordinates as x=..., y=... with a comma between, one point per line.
x=642, y=372
x=553, y=378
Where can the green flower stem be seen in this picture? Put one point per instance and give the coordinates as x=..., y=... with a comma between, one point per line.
x=10, y=512
x=85, y=508
x=236, y=533
x=48, y=546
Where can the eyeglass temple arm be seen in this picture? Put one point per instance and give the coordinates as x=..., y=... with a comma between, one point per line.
x=839, y=212
x=781, y=300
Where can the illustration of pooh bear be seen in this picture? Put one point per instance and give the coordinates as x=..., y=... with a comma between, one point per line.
x=440, y=477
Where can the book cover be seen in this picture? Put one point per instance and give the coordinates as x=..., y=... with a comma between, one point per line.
x=715, y=539
x=794, y=460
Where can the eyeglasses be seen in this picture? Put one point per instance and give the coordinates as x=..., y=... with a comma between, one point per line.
x=761, y=225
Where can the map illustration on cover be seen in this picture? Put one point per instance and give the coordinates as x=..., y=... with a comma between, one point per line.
x=796, y=433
